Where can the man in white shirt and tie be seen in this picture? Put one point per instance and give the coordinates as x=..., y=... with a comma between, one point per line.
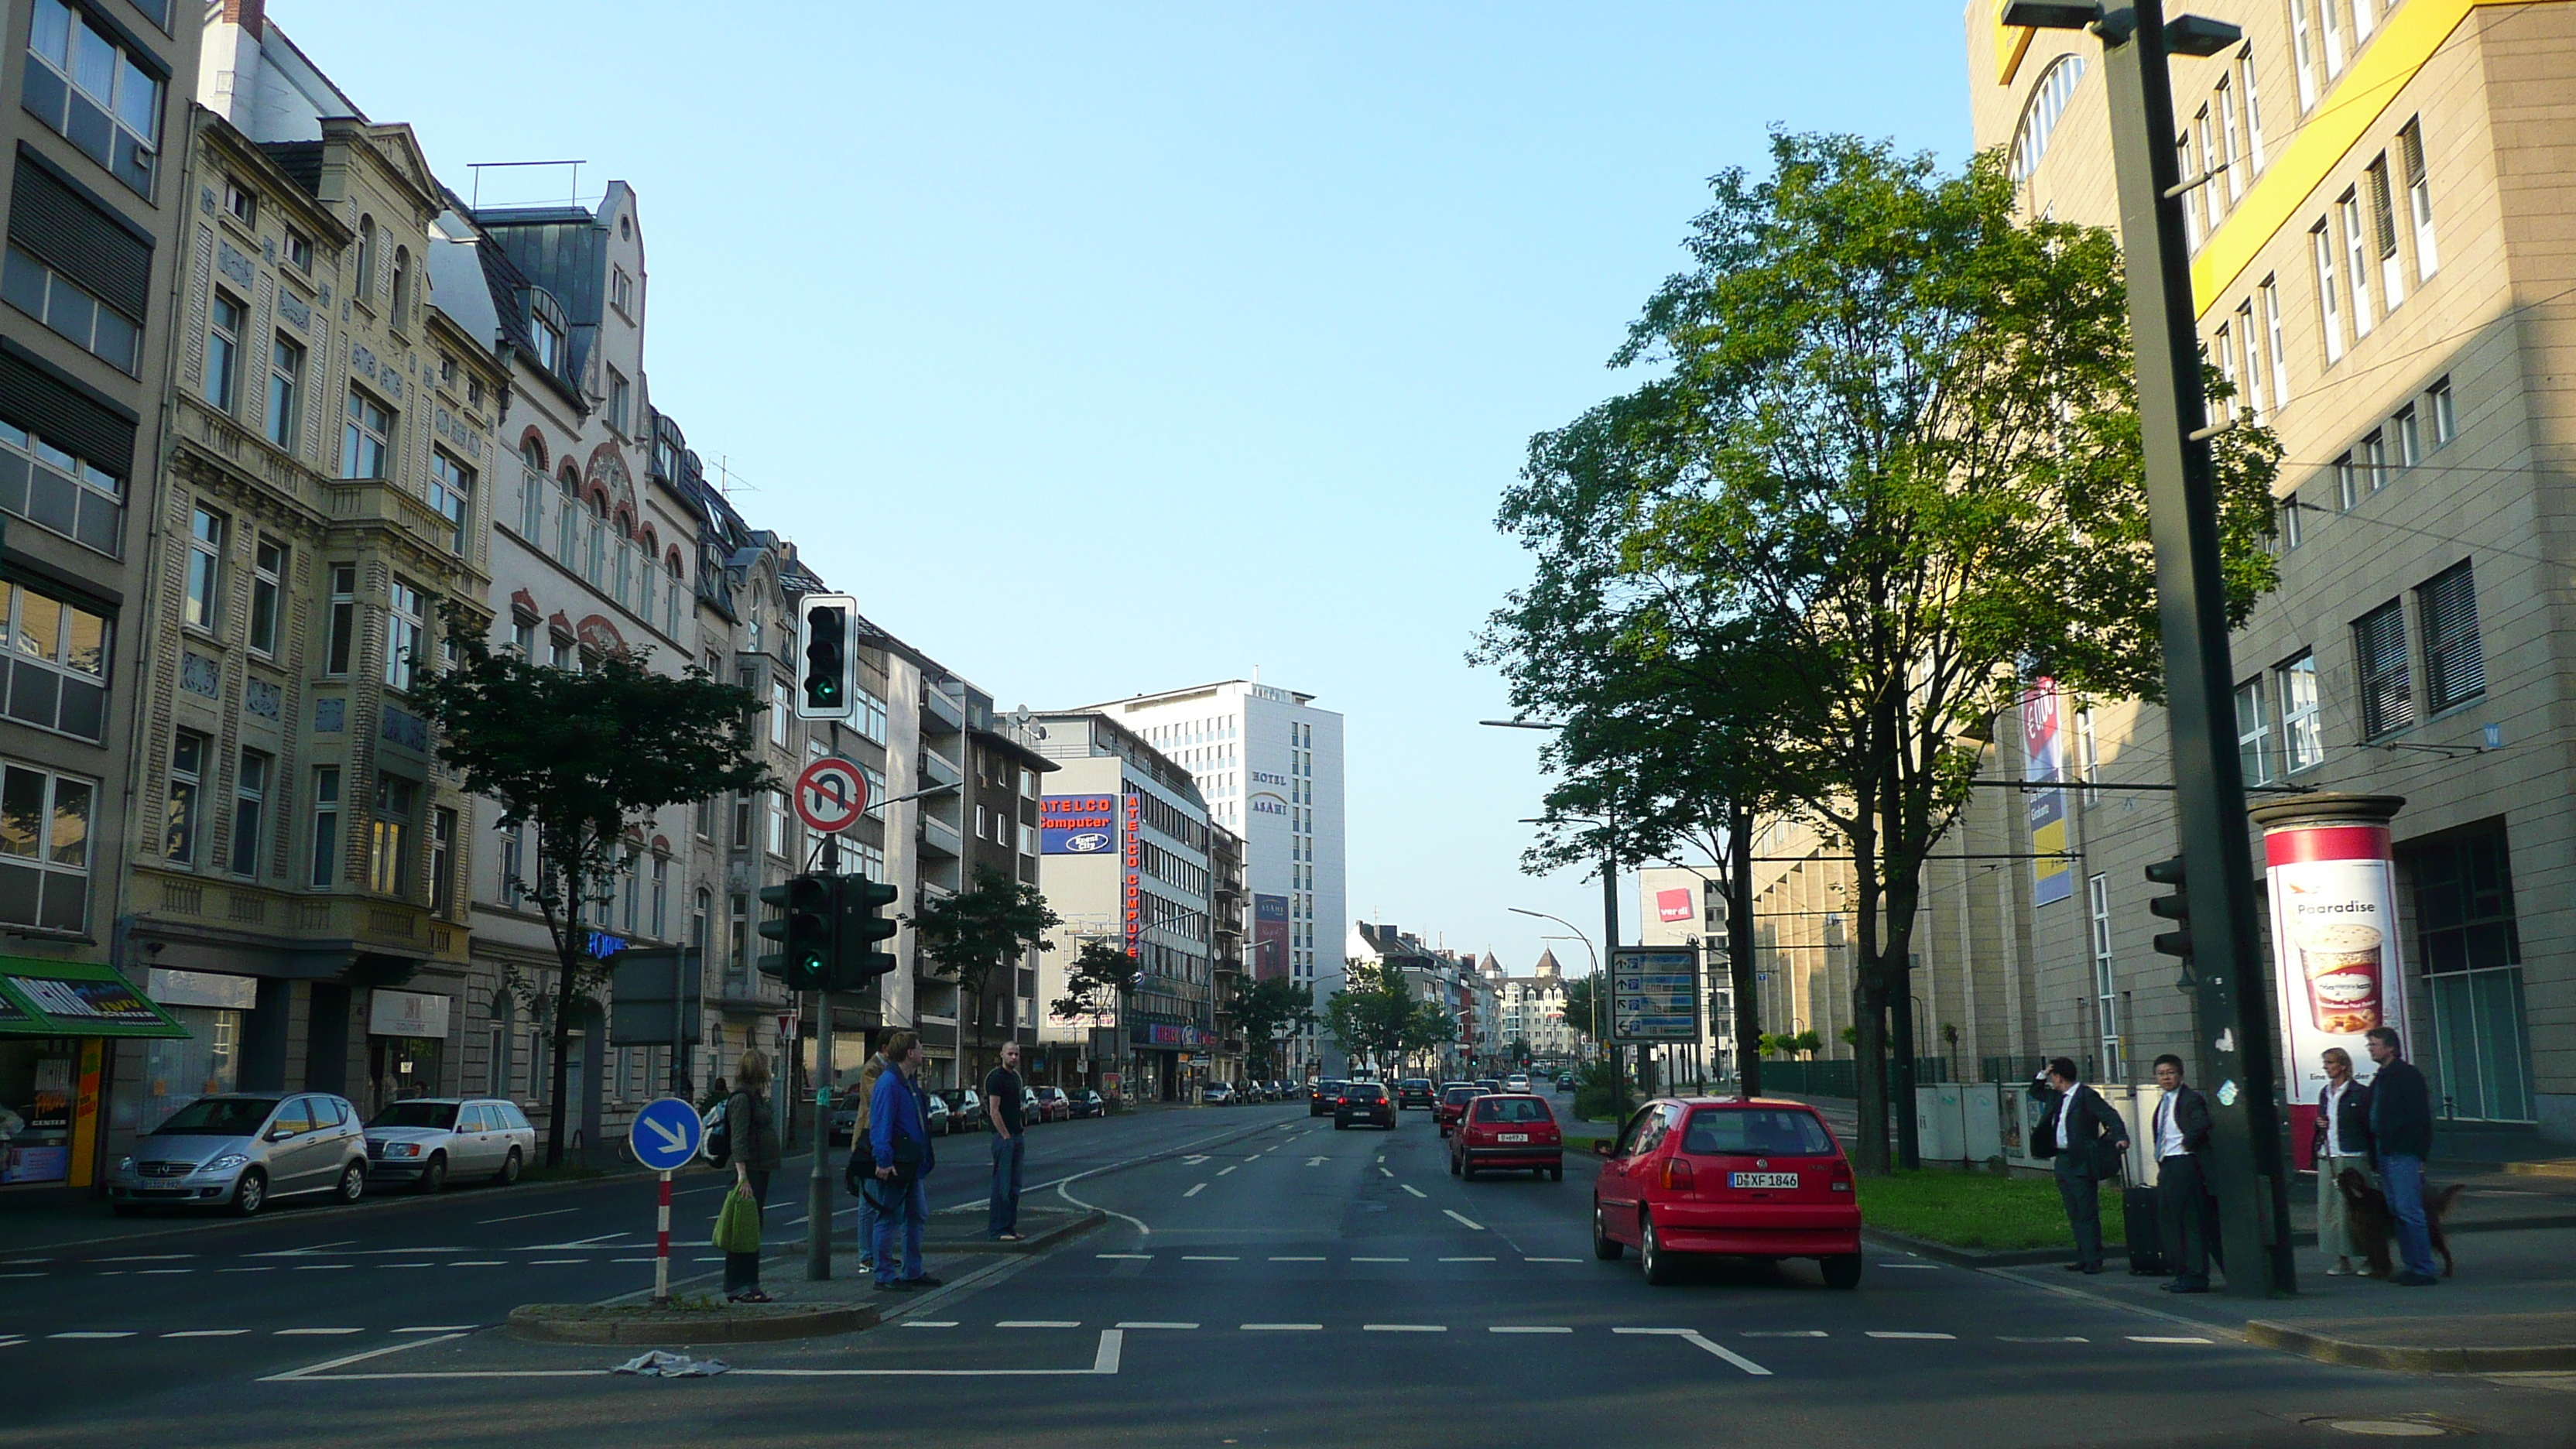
x=2182, y=1188
x=2085, y=1140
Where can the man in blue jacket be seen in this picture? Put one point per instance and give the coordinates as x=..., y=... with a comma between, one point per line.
x=2401, y=1137
x=899, y=1140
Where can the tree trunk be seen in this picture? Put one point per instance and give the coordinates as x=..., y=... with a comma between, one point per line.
x=561, y=1071
x=1739, y=950
x=1869, y=998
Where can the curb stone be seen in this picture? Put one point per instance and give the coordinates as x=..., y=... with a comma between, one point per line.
x=740, y=1323
x=2325, y=1348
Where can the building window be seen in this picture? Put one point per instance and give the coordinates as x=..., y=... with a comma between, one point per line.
x=70, y=309
x=523, y=637
x=2419, y=198
x=326, y=825
x=250, y=808
x=2329, y=300
x=2379, y=642
x=365, y=438
x=2250, y=395
x=2330, y=35
x=44, y=848
x=224, y=326
x=2374, y=460
x=2356, y=256
x=2303, y=54
x=299, y=250
x=56, y=490
x=2253, y=737
x=645, y=576
x=405, y=619
x=205, y=569
x=671, y=602
x=514, y=864
x=661, y=894
x=2291, y=530
x=2253, y=107
x=93, y=91
x=2276, y=343
x=595, y=557
x=782, y=708
x=2347, y=482
x=2410, y=440
x=362, y=283
x=2470, y=948
x=2455, y=667
x=738, y=934
x=2302, y=733
x=775, y=811
x=285, y=391
x=532, y=493
x=622, y=577
x=546, y=329
x=389, y=847
x=2383, y=232
x=180, y=821
x=451, y=496
x=2221, y=349
x=267, y=585
x=620, y=395
x=559, y=652
x=2194, y=230
x=742, y=820
x=442, y=861
x=2231, y=142
x=621, y=292
x=2446, y=423
x=344, y=619
x=568, y=519
x=402, y=288
x=2047, y=102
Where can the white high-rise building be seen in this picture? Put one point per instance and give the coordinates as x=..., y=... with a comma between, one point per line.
x=1270, y=765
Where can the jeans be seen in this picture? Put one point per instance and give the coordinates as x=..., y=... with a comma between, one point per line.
x=905, y=1209
x=742, y=1270
x=2083, y=1199
x=867, y=1229
x=2401, y=1177
x=1005, y=1214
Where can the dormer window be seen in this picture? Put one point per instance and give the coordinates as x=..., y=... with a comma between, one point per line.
x=546, y=326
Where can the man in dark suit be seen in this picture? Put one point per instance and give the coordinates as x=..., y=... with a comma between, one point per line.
x=2182, y=1188
x=2085, y=1140
x=2401, y=1137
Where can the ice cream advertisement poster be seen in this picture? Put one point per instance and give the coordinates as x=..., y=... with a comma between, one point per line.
x=2336, y=962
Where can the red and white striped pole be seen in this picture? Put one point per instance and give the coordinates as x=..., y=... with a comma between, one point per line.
x=662, y=1245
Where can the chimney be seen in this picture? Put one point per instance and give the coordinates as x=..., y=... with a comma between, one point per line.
x=250, y=15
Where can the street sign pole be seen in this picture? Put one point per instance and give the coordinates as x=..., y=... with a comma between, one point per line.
x=818, y=1193
x=666, y=1136
x=662, y=1244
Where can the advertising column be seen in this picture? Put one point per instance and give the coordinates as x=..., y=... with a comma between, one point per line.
x=2337, y=969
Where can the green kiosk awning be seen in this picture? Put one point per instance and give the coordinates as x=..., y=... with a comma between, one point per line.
x=76, y=998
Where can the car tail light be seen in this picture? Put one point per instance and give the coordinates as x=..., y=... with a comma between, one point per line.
x=1842, y=1176
x=1677, y=1174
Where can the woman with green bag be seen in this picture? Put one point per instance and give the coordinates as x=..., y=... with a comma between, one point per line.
x=754, y=1130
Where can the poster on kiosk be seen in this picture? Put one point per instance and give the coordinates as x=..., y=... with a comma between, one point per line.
x=2337, y=967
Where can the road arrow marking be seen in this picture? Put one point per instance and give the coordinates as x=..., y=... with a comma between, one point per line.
x=1317, y=1161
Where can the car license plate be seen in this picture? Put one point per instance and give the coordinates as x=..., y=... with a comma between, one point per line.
x=1513, y=1137
x=1762, y=1179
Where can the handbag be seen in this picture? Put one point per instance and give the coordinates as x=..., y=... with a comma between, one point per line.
x=738, y=1223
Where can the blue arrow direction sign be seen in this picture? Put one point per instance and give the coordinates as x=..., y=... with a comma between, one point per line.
x=665, y=1134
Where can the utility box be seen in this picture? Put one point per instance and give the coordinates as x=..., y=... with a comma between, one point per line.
x=1981, y=1115
x=2023, y=1109
x=1938, y=1124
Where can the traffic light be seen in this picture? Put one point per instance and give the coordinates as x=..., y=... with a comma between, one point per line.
x=831, y=672
x=863, y=923
x=804, y=928
x=2175, y=907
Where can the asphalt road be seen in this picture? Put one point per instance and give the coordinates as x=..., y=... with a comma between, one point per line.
x=1292, y=1285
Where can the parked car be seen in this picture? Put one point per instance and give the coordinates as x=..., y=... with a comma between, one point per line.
x=1511, y=1131
x=1454, y=1097
x=1217, y=1094
x=240, y=1149
x=1364, y=1102
x=1032, y=1111
x=1727, y=1177
x=1327, y=1091
x=1413, y=1092
x=1087, y=1103
x=934, y=1107
x=428, y=1140
x=966, y=1111
x=1055, y=1104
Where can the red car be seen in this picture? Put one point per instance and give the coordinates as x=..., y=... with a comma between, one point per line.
x=1727, y=1178
x=1510, y=1130
x=1453, y=1105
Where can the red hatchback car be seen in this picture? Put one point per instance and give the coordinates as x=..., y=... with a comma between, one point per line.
x=1510, y=1130
x=1452, y=1105
x=1727, y=1178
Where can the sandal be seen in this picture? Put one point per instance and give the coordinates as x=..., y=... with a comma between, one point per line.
x=753, y=1296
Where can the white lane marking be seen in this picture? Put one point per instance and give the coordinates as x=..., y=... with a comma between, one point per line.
x=1382, y=1172
x=1256, y=1157
x=1195, y=1190
x=206, y=1333
x=1404, y=1328
x=613, y=1260
x=1466, y=1260
x=930, y=1323
x=322, y=1267
x=1194, y=1159
x=497, y=1263
x=1464, y=1221
x=262, y=1268
x=311, y=1249
x=149, y=1272
x=440, y=1328
x=328, y=1364
x=1551, y=1260
x=1381, y=1157
x=1695, y=1338
x=1283, y=1328
x=1106, y=1360
x=1279, y=1259
x=2008, y=1338
x=1898, y=1333
x=550, y=1262
x=1148, y=1323
x=575, y=1243
x=21, y=1275
x=405, y=1252
x=1519, y=1328
x=1039, y=1323
x=117, y=1333
x=433, y=1265
x=1209, y=1258
x=523, y=1217
x=1409, y=1187
x=1785, y=1333
x=316, y=1332
x=144, y=1258
x=1222, y=1171
x=1381, y=1260
x=22, y=1262
x=1133, y=1257
x=2156, y=1338
x=1916, y=1267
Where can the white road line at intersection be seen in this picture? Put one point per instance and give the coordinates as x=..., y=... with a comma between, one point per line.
x=1409, y=1187
x=1470, y=1224
x=1698, y=1340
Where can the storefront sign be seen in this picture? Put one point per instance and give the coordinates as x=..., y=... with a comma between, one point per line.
x=602, y=945
x=2337, y=969
x=1132, y=863
x=75, y=1004
x=407, y=1013
x=1168, y=1034
x=2044, y=759
x=1078, y=825
x=202, y=988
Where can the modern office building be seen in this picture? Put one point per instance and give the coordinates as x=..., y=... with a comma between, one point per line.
x=1270, y=766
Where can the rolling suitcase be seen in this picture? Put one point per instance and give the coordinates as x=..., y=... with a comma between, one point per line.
x=2144, y=1232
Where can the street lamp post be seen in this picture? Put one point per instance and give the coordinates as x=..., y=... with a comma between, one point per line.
x=1618, y=1073
x=2248, y=1167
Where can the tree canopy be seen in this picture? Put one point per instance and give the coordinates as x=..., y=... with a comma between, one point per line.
x=990, y=926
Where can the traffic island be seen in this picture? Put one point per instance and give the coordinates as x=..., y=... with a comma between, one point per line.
x=2476, y=1343
x=961, y=1229
x=686, y=1321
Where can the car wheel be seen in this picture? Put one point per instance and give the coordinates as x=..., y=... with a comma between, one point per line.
x=1556, y=1174
x=1661, y=1270
x=1842, y=1270
x=1339, y=1124
x=510, y=1166
x=1467, y=1170
x=1605, y=1247
x=1454, y=1170
x=251, y=1193
x=353, y=1183
x=433, y=1174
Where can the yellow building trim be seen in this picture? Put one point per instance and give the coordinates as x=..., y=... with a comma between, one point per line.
x=2012, y=42
x=2407, y=39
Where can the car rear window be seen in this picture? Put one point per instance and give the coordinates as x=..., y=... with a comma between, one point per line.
x=1774, y=1131
x=218, y=1117
x=1513, y=1109
x=1464, y=1094
x=1366, y=1091
x=441, y=1115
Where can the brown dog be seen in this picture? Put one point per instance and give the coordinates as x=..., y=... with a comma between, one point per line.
x=2374, y=1228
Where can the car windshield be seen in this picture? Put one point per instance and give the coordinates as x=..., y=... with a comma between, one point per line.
x=1513, y=1109
x=1776, y=1131
x=218, y=1117
x=441, y=1115
x=1463, y=1094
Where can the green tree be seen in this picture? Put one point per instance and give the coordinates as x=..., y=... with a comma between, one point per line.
x=1372, y=1012
x=586, y=756
x=1580, y=1001
x=1096, y=981
x=1263, y=1009
x=1519, y=1051
x=989, y=927
x=1887, y=471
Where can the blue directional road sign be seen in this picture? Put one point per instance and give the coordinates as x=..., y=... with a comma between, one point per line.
x=665, y=1134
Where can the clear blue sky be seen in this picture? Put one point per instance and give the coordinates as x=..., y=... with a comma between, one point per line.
x=1110, y=348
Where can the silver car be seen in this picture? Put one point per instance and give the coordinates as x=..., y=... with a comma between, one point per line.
x=240, y=1149
x=427, y=1140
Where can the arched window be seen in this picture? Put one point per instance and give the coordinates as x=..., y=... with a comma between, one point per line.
x=532, y=492
x=364, y=287
x=645, y=577
x=2047, y=102
x=595, y=560
x=625, y=572
x=402, y=286
x=568, y=518
x=671, y=604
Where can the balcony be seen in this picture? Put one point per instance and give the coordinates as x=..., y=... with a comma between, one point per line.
x=937, y=771
x=940, y=715
x=939, y=838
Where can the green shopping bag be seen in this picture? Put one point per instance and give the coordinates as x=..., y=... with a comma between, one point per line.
x=738, y=1223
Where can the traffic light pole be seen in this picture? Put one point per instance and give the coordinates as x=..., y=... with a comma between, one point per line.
x=2246, y=1158
x=818, y=1193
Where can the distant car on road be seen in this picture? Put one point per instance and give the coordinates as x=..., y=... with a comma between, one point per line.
x=1053, y=1102
x=238, y=1150
x=1088, y=1103
x=1413, y=1092
x=1507, y=1131
x=428, y=1140
x=1731, y=1178
x=1218, y=1094
x=1454, y=1097
x=1516, y=1082
x=1328, y=1090
x=1363, y=1102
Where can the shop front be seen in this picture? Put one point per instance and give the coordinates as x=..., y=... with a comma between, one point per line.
x=1171, y=1059
x=57, y=1022
x=406, y=1047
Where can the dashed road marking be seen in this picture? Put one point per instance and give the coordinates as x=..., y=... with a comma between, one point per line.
x=1222, y=1171
x=1525, y=1328
x=206, y=1333
x=1381, y=1260
x=930, y=1323
x=1916, y=1267
x=1900, y=1333
x=1786, y=1333
x=1277, y=1258
x=116, y=1333
x=1149, y=1323
x=1209, y=1258
x=1466, y=1260
x=550, y=1262
x=1135, y=1257
x=1195, y=1191
x=441, y=1328
x=21, y=1275
x=1382, y=1172
x=322, y=1267
x=2159, y=1338
x=1696, y=1339
x=1283, y=1328
x=148, y=1272
x=316, y=1332
x=497, y=1263
x=262, y=1268
x=1551, y=1260
x=433, y=1265
x=1038, y=1323
x=2009, y=1338
x=1464, y=1221
x=144, y=1258
x=1404, y=1328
